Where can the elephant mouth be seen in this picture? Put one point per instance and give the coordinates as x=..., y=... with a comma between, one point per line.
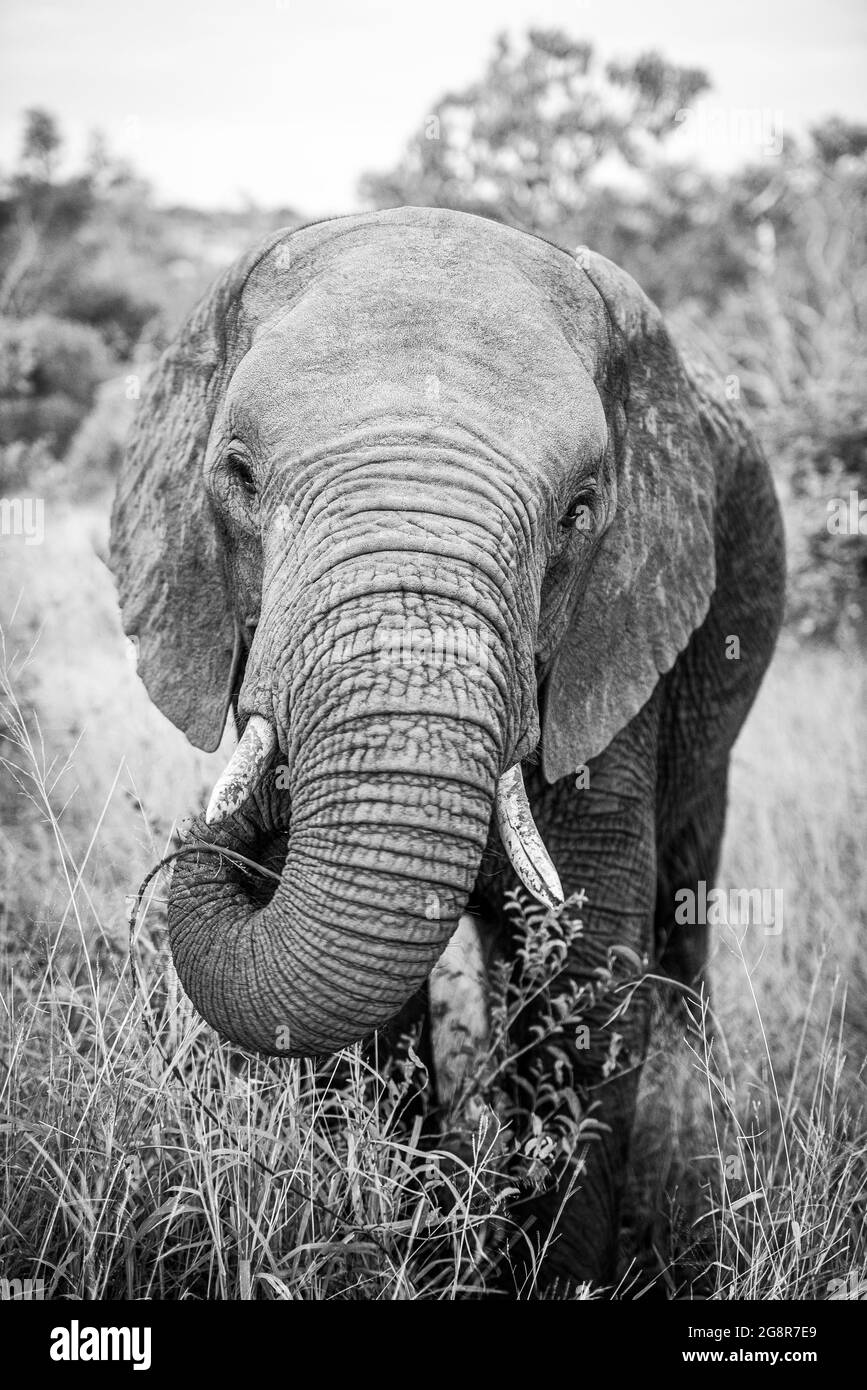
x=524, y=845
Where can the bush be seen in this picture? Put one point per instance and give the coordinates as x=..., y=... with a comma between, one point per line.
x=96, y=452
x=44, y=356
x=115, y=311
x=818, y=445
x=49, y=372
x=53, y=419
x=24, y=464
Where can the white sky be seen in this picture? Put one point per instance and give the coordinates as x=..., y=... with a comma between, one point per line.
x=288, y=101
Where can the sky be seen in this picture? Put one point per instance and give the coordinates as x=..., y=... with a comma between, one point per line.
x=287, y=102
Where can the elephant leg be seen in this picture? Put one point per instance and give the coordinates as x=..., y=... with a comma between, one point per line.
x=447, y=1025
x=459, y=1025
x=603, y=841
x=672, y=1127
x=687, y=858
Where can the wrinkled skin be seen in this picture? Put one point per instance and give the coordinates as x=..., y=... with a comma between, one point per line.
x=420, y=418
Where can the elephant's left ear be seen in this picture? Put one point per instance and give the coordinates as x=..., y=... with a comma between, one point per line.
x=651, y=580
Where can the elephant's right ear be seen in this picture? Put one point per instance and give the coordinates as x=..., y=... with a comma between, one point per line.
x=165, y=549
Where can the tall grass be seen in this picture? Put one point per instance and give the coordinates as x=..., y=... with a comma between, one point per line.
x=141, y=1157
x=754, y=1127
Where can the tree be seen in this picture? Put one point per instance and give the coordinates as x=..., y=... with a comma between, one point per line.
x=837, y=139
x=764, y=269
x=40, y=145
x=523, y=143
x=38, y=216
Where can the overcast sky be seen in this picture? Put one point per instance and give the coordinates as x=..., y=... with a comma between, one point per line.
x=288, y=101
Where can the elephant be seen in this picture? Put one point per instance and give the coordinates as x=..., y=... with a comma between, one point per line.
x=422, y=430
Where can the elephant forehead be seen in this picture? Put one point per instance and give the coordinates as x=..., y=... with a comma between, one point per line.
x=459, y=344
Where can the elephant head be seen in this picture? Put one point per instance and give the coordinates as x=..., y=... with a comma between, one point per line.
x=417, y=494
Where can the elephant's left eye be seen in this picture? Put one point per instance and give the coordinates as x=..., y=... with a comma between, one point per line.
x=241, y=474
x=580, y=514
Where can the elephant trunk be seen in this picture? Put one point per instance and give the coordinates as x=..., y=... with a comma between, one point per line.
x=395, y=739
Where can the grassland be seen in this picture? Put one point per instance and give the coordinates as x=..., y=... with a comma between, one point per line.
x=140, y=1157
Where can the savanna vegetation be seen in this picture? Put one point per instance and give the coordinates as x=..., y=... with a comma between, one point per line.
x=140, y=1157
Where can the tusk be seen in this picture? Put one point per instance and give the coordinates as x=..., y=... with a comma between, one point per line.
x=243, y=770
x=522, y=841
